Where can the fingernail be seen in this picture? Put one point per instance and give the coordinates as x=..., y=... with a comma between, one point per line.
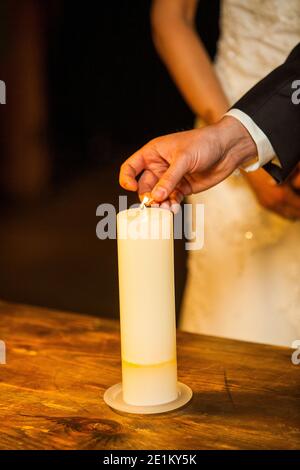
x=159, y=193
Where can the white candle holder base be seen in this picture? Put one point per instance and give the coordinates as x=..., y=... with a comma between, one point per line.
x=113, y=397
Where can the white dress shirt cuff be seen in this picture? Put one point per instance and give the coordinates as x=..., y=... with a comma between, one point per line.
x=264, y=147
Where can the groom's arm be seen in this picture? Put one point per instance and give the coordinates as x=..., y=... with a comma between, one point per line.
x=273, y=105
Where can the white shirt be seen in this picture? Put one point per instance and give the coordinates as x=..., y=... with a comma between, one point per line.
x=265, y=149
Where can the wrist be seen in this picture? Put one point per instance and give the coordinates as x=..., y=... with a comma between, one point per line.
x=236, y=142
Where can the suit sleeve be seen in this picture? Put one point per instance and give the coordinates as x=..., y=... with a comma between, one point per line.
x=274, y=105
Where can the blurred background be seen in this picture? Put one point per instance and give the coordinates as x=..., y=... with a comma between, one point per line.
x=85, y=88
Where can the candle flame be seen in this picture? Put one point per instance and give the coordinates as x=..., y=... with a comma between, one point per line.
x=146, y=202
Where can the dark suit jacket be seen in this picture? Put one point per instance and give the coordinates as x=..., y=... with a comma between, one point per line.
x=272, y=106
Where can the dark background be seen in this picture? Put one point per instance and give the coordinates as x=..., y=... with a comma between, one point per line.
x=85, y=88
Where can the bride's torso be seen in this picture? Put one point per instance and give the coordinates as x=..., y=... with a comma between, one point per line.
x=245, y=282
x=256, y=37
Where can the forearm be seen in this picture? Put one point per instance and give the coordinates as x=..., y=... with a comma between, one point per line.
x=183, y=53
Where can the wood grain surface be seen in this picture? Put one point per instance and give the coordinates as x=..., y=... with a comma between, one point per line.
x=246, y=396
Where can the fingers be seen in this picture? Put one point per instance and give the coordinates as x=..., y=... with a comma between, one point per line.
x=146, y=183
x=172, y=206
x=173, y=202
x=184, y=187
x=130, y=169
x=176, y=196
x=170, y=179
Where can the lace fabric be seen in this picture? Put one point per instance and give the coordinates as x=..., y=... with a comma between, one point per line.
x=245, y=283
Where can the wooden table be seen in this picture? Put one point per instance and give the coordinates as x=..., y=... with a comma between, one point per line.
x=246, y=396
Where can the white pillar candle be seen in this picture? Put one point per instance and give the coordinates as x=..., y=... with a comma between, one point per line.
x=147, y=306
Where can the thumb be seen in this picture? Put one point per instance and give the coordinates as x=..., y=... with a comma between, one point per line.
x=170, y=179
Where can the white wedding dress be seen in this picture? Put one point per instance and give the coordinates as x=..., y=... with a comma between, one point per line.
x=245, y=282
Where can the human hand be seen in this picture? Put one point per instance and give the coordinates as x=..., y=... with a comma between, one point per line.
x=280, y=199
x=176, y=165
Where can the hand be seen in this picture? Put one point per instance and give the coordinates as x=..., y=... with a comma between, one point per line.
x=280, y=199
x=176, y=165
